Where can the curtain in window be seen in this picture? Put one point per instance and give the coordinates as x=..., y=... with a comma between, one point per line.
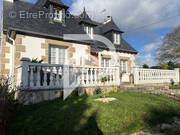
x=57, y=55
x=61, y=55
x=123, y=66
x=105, y=62
x=52, y=55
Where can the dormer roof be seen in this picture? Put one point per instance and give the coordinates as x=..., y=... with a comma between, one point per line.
x=110, y=26
x=58, y=3
x=84, y=18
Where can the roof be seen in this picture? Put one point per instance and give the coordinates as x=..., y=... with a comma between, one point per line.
x=57, y=2
x=84, y=18
x=109, y=26
x=42, y=26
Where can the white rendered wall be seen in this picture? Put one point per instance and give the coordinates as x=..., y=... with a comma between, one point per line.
x=33, y=47
x=32, y=50
x=80, y=55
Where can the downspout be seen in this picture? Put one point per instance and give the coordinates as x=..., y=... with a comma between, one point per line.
x=12, y=57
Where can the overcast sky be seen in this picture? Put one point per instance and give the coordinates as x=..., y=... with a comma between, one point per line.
x=145, y=22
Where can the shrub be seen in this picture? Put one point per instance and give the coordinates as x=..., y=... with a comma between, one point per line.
x=98, y=90
x=104, y=79
x=7, y=102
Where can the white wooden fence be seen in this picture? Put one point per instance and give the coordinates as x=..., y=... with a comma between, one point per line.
x=154, y=76
x=55, y=76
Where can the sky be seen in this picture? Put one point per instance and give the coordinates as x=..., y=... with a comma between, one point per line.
x=144, y=22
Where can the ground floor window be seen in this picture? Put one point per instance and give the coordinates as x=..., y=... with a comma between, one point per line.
x=57, y=55
x=105, y=62
x=123, y=66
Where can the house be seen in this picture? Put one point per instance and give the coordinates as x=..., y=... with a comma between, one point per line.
x=36, y=31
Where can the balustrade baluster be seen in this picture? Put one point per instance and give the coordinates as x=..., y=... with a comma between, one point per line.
x=110, y=73
x=107, y=72
x=114, y=74
x=31, y=76
x=75, y=74
x=87, y=76
x=45, y=77
x=82, y=77
x=91, y=75
x=78, y=76
x=95, y=75
x=51, y=77
x=38, y=82
x=57, y=77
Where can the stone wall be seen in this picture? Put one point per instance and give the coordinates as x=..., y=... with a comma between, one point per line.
x=5, y=57
x=36, y=96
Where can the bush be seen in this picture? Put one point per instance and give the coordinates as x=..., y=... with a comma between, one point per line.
x=98, y=90
x=7, y=102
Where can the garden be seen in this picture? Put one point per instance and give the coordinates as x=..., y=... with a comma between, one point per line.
x=131, y=112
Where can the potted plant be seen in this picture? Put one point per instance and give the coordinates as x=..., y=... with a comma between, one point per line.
x=104, y=79
x=131, y=78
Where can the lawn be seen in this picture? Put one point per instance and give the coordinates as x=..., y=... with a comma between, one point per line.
x=175, y=87
x=85, y=116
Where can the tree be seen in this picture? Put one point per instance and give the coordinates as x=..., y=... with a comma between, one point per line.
x=145, y=66
x=170, y=48
x=171, y=65
x=164, y=65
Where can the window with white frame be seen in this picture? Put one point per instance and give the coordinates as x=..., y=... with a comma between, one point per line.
x=58, y=14
x=116, y=38
x=57, y=55
x=89, y=30
x=105, y=62
x=123, y=66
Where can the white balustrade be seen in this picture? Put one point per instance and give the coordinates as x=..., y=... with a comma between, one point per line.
x=56, y=76
x=149, y=76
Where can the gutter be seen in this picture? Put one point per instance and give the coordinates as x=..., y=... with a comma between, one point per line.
x=12, y=57
x=45, y=35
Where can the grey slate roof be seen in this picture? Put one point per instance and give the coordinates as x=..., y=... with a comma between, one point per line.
x=57, y=2
x=104, y=28
x=42, y=26
x=84, y=18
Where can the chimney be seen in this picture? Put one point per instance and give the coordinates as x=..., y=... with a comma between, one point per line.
x=109, y=18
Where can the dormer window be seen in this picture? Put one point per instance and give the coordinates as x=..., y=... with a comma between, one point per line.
x=58, y=15
x=89, y=30
x=116, y=38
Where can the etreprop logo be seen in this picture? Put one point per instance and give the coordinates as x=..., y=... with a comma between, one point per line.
x=69, y=88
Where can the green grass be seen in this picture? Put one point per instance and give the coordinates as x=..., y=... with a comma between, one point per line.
x=175, y=87
x=84, y=116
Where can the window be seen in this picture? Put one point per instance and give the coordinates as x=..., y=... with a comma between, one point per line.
x=58, y=15
x=89, y=30
x=105, y=62
x=123, y=66
x=116, y=38
x=57, y=55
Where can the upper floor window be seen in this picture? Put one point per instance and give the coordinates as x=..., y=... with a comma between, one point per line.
x=89, y=30
x=116, y=38
x=58, y=15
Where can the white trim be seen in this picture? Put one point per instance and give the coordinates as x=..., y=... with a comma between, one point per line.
x=56, y=14
x=116, y=37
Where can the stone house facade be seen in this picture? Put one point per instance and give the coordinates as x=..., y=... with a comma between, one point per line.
x=42, y=38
